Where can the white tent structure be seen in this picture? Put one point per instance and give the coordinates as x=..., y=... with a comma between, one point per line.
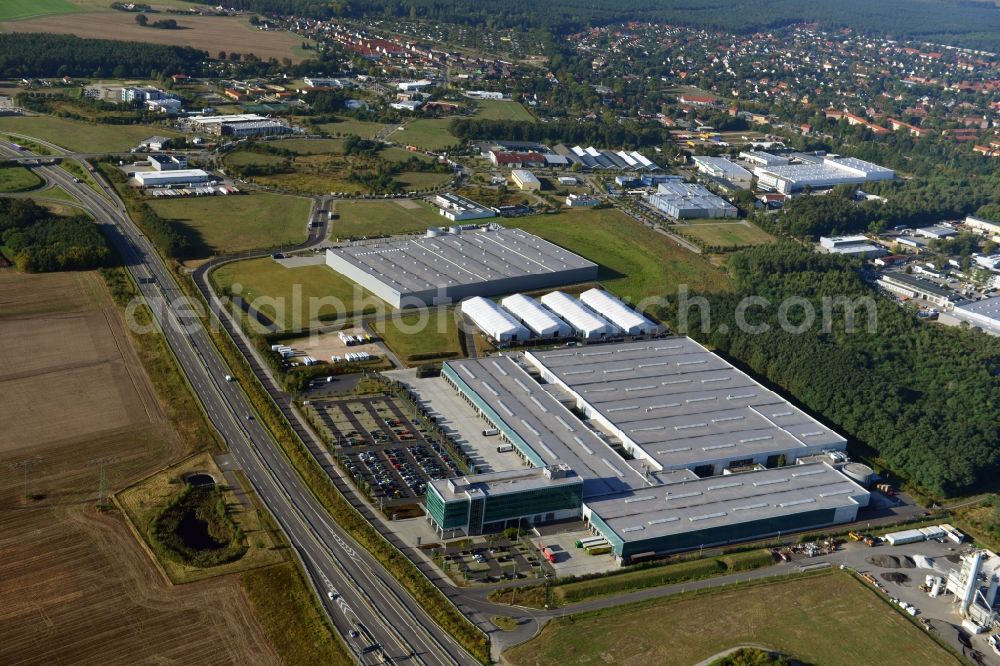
x=621, y=315
x=587, y=324
x=542, y=322
x=492, y=320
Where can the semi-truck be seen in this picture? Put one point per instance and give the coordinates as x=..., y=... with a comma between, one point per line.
x=590, y=541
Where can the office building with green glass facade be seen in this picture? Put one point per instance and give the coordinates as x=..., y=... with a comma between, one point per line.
x=483, y=503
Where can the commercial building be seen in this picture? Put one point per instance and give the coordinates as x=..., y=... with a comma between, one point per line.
x=176, y=177
x=516, y=158
x=825, y=173
x=459, y=209
x=542, y=322
x=935, y=232
x=684, y=201
x=675, y=405
x=759, y=158
x=982, y=225
x=644, y=508
x=625, y=318
x=414, y=86
x=446, y=267
x=525, y=180
x=166, y=105
x=855, y=246
x=586, y=323
x=984, y=314
x=723, y=169
x=494, y=321
x=909, y=286
x=490, y=502
x=168, y=162
x=592, y=158
x=248, y=128
x=581, y=201
x=156, y=143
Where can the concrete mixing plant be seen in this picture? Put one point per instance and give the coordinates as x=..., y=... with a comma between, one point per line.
x=975, y=588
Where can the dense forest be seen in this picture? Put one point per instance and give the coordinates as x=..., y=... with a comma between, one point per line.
x=922, y=398
x=954, y=21
x=40, y=242
x=38, y=55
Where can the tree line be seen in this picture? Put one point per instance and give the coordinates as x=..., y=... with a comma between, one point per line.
x=917, y=399
x=41, y=242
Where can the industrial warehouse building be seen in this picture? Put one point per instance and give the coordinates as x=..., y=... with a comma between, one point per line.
x=723, y=169
x=493, y=320
x=446, y=267
x=682, y=412
x=684, y=201
x=625, y=318
x=542, y=322
x=586, y=323
x=910, y=286
x=984, y=314
x=525, y=180
x=174, y=177
x=854, y=246
x=818, y=173
x=459, y=209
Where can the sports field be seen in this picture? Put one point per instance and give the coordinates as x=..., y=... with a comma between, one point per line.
x=829, y=619
x=77, y=586
x=383, y=218
x=295, y=298
x=636, y=262
x=723, y=235
x=83, y=137
x=494, y=109
x=11, y=10
x=209, y=33
x=18, y=179
x=236, y=223
x=426, y=134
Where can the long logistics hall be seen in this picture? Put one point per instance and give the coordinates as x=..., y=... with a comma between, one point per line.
x=444, y=267
x=674, y=447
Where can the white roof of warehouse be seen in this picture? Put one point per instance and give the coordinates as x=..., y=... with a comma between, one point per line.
x=576, y=314
x=684, y=405
x=615, y=311
x=730, y=169
x=717, y=501
x=492, y=319
x=535, y=317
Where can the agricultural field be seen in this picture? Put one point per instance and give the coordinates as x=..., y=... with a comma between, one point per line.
x=414, y=336
x=296, y=298
x=426, y=134
x=725, y=235
x=494, y=109
x=12, y=10
x=829, y=619
x=18, y=179
x=209, y=33
x=636, y=262
x=235, y=223
x=309, y=146
x=81, y=394
x=83, y=137
x=348, y=126
x=383, y=218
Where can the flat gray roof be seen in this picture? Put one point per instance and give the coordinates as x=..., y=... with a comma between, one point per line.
x=554, y=433
x=682, y=404
x=419, y=264
x=988, y=308
x=918, y=284
x=724, y=500
x=494, y=484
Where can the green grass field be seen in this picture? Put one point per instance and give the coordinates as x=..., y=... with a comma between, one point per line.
x=310, y=146
x=240, y=222
x=18, y=179
x=297, y=297
x=426, y=134
x=247, y=157
x=348, y=126
x=393, y=154
x=412, y=338
x=11, y=10
x=422, y=180
x=493, y=109
x=381, y=218
x=82, y=137
x=737, y=234
x=636, y=262
x=829, y=619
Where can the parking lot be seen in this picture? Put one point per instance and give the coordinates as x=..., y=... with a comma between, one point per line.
x=383, y=448
x=491, y=560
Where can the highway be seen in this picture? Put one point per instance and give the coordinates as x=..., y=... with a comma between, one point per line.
x=375, y=615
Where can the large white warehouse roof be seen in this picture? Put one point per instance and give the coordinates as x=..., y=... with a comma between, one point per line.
x=542, y=322
x=587, y=323
x=493, y=320
x=617, y=312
